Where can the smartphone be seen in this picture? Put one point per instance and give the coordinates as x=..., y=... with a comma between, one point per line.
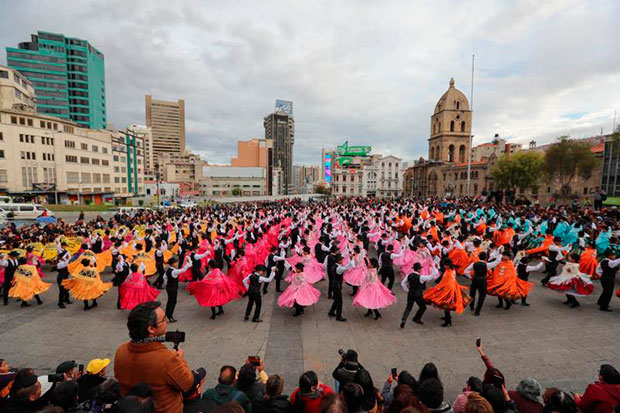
x=254, y=360
x=394, y=372
x=81, y=368
x=497, y=381
x=478, y=342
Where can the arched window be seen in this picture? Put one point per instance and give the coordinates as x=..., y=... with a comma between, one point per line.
x=439, y=127
x=462, y=153
x=434, y=129
x=458, y=105
x=475, y=189
x=451, y=126
x=463, y=126
x=437, y=153
x=432, y=155
x=451, y=153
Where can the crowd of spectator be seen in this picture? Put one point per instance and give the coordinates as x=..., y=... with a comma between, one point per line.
x=149, y=377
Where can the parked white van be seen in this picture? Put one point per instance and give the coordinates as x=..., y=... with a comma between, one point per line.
x=24, y=211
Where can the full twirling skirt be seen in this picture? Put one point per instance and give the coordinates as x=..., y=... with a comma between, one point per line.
x=214, y=292
x=133, y=295
x=374, y=296
x=303, y=294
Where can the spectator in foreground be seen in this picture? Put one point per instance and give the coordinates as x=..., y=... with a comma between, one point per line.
x=225, y=391
x=143, y=359
x=526, y=396
x=603, y=395
x=431, y=395
x=248, y=383
x=557, y=401
x=192, y=402
x=371, y=399
x=310, y=394
x=229, y=407
x=346, y=369
x=66, y=396
x=25, y=396
x=402, y=378
x=353, y=394
x=273, y=400
x=107, y=396
x=477, y=404
x=473, y=385
x=95, y=375
x=499, y=399
x=138, y=400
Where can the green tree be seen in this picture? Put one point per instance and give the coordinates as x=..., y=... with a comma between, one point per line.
x=568, y=159
x=520, y=170
x=236, y=192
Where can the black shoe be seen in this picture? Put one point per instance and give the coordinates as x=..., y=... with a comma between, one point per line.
x=172, y=320
x=68, y=302
x=25, y=304
x=574, y=304
x=566, y=302
x=377, y=316
x=6, y=303
x=213, y=317
x=86, y=308
x=605, y=309
x=525, y=304
x=442, y=318
x=61, y=305
x=471, y=306
x=508, y=305
x=402, y=324
x=368, y=314
x=246, y=318
x=418, y=322
x=499, y=306
x=331, y=315
x=341, y=319
x=220, y=312
x=257, y=321
x=447, y=323
x=297, y=313
x=94, y=304
x=477, y=314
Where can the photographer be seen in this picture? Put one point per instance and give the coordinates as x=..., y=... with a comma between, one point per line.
x=25, y=394
x=95, y=375
x=348, y=366
x=146, y=359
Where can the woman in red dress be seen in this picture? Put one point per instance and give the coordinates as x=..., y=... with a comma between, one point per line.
x=214, y=290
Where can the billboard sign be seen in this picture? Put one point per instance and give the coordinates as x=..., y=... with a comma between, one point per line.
x=346, y=150
x=285, y=106
x=328, y=168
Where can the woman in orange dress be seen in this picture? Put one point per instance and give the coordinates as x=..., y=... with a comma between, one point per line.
x=505, y=284
x=86, y=284
x=448, y=295
x=588, y=261
x=27, y=284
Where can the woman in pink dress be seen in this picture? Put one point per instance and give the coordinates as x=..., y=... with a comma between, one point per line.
x=355, y=276
x=135, y=290
x=313, y=271
x=214, y=290
x=405, y=261
x=299, y=293
x=425, y=258
x=372, y=293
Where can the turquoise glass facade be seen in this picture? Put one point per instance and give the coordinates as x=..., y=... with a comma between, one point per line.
x=68, y=75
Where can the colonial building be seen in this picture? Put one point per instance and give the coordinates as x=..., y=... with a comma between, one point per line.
x=444, y=173
x=376, y=175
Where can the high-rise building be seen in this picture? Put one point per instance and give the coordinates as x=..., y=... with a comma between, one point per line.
x=252, y=153
x=16, y=92
x=167, y=123
x=144, y=133
x=68, y=75
x=280, y=128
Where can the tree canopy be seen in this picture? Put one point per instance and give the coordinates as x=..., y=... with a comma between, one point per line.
x=568, y=159
x=520, y=170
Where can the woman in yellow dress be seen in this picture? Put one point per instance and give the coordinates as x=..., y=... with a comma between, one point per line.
x=27, y=283
x=86, y=284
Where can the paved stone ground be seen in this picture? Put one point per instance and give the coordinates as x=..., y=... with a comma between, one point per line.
x=556, y=345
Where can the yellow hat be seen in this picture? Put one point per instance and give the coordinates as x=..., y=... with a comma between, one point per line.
x=96, y=365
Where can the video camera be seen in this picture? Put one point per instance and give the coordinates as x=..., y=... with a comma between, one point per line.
x=176, y=337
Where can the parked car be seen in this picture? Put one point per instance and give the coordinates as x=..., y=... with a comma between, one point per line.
x=25, y=211
x=188, y=204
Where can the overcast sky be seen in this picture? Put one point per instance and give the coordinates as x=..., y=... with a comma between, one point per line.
x=366, y=71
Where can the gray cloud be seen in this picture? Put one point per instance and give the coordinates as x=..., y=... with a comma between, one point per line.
x=364, y=71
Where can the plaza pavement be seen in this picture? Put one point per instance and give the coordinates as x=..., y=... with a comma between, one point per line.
x=556, y=345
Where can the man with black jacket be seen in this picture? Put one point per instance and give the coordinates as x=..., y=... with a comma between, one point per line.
x=607, y=269
x=345, y=371
x=336, y=275
x=477, y=271
x=171, y=278
x=63, y=273
x=252, y=283
x=10, y=266
x=414, y=284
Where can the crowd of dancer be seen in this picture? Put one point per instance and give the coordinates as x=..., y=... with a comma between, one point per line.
x=448, y=254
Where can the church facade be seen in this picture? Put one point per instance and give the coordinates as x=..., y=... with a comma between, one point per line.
x=444, y=173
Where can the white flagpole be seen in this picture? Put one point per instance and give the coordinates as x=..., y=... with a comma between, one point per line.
x=471, y=109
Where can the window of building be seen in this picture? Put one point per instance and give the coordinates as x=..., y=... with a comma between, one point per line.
x=22, y=121
x=14, y=120
x=1, y=153
x=29, y=122
x=95, y=161
x=115, y=158
x=1, y=136
x=85, y=177
x=585, y=189
x=451, y=126
x=106, y=178
x=84, y=146
x=67, y=128
x=548, y=189
x=105, y=162
x=73, y=177
x=95, y=148
x=117, y=169
x=3, y=176
x=117, y=180
x=69, y=144
x=124, y=180
x=84, y=159
x=104, y=150
x=71, y=158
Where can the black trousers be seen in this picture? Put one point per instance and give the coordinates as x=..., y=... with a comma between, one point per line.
x=608, y=284
x=6, y=286
x=160, y=277
x=172, y=301
x=330, y=287
x=63, y=293
x=411, y=300
x=551, y=268
x=479, y=286
x=279, y=274
x=387, y=273
x=336, y=308
x=254, y=299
